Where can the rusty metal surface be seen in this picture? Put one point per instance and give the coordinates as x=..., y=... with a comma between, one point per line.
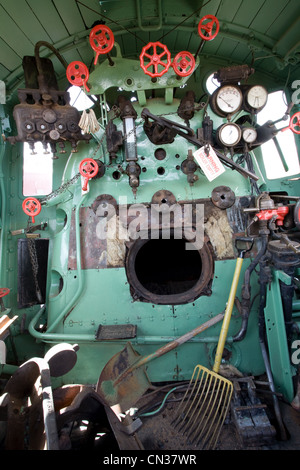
x=99, y=253
x=31, y=423
x=123, y=380
x=223, y=197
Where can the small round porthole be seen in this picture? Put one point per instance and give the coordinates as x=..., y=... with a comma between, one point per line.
x=163, y=271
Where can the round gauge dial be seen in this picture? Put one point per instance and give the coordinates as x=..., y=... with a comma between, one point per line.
x=229, y=99
x=257, y=97
x=229, y=134
x=249, y=135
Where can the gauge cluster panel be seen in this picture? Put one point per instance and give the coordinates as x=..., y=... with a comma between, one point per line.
x=229, y=99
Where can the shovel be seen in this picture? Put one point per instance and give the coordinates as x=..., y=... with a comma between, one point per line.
x=123, y=380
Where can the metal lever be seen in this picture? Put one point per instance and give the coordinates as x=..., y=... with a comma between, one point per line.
x=188, y=134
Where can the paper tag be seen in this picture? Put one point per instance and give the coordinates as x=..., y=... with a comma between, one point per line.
x=209, y=162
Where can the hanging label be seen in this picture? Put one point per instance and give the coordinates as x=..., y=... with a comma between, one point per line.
x=209, y=162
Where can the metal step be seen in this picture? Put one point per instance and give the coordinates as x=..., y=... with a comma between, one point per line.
x=249, y=415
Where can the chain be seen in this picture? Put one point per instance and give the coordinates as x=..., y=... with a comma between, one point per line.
x=65, y=186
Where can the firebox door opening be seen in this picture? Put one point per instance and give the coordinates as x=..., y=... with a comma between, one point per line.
x=163, y=271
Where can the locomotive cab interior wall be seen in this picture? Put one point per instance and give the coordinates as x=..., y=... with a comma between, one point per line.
x=148, y=167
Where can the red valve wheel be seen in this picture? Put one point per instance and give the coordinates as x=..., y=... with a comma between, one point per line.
x=183, y=64
x=78, y=74
x=156, y=59
x=205, y=30
x=101, y=40
x=4, y=291
x=32, y=207
x=88, y=168
x=295, y=122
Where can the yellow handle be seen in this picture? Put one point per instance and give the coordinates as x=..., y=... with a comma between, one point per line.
x=227, y=316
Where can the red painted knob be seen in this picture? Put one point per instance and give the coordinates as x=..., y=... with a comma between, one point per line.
x=183, y=64
x=88, y=168
x=32, y=207
x=158, y=57
x=208, y=27
x=101, y=40
x=78, y=74
x=4, y=291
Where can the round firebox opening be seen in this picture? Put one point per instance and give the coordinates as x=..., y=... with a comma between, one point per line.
x=164, y=271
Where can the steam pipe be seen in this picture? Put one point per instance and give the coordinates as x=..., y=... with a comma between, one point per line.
x=41, y=77
x=74, y=300
x=3, y=207
x=88, y=338
x=246, y=289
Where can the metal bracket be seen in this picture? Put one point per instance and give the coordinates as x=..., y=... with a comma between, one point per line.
x=280, y=362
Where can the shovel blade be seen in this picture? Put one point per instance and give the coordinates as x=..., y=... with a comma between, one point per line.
x=120, y=384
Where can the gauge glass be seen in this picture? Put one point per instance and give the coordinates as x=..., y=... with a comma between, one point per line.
x=229, y=134
x=229, y=99
x=249, y=135
x=257, y=97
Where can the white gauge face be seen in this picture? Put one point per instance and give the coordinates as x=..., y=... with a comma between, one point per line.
x=229, y=134
x=249, y=135
x=229, y=99
x=257, y=97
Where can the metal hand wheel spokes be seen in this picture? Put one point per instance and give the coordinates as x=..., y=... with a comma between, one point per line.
x=101, y=40
x=183, y=63
x=160, y=61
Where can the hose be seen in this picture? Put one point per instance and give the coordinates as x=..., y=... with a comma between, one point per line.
x=246, y=289
x=261, y=325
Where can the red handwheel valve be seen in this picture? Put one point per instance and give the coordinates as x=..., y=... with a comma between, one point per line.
x=183, y=64
x=3, y=291
x=78, y=74
x=208, y=27
x=294, y=124
x=101, y=40
x=32, y=207
x=88, y=168
x=159, y=59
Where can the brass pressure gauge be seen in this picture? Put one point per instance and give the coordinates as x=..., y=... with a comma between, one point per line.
x=228, y=99
x=229, y=134
x=257, y=97
x=249, y=135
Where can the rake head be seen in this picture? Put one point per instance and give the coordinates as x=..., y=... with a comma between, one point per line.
x=204, y=407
